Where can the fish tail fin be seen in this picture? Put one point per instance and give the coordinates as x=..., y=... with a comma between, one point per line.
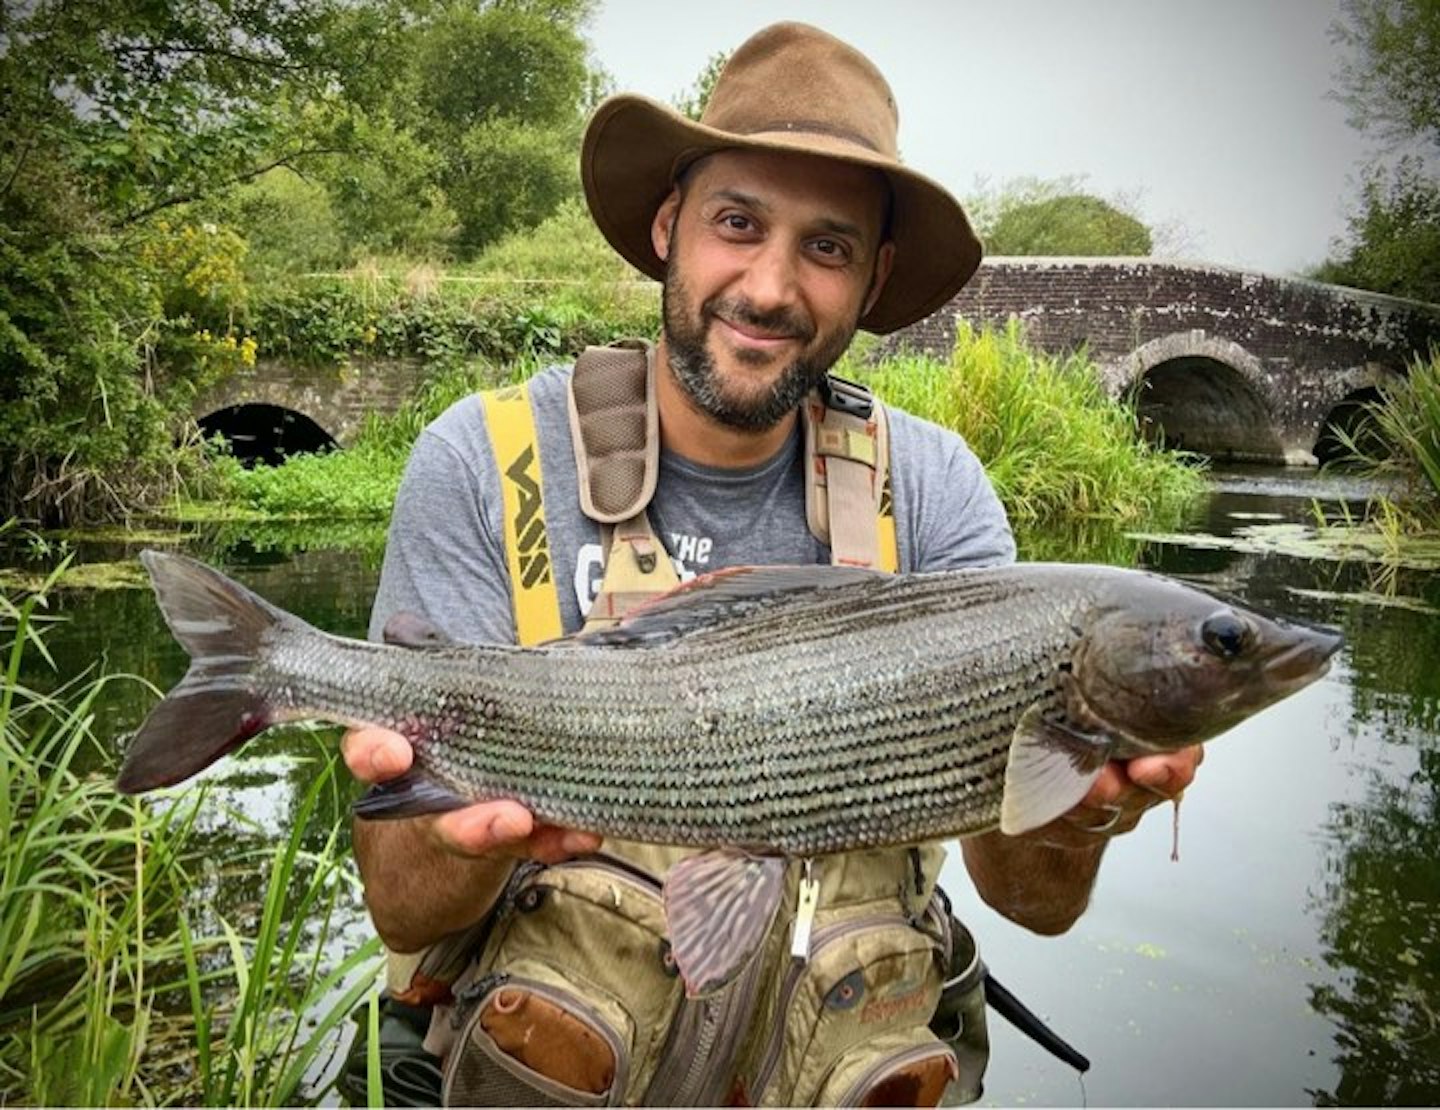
x=215, y=707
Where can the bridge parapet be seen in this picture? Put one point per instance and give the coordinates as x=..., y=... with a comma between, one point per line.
x=1236, y=347
x=337, y=398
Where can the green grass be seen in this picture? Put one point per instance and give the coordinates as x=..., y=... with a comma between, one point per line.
x=1402, y=437
x=1063, y=456
x=1056, y=447
x=109, y=993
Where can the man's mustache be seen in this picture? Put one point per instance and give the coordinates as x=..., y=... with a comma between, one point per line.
x=778, y=322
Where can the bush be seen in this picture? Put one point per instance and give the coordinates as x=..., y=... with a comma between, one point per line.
x=1055, y=445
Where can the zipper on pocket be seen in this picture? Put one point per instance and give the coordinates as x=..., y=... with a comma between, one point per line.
x=822, y=938
x=891, y=1063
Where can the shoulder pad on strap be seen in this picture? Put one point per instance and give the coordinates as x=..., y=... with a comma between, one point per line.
x=616, y=429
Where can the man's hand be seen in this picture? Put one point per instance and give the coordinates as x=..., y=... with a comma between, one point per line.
x=1120, y=797
x=503, y=827
x=1042, y=879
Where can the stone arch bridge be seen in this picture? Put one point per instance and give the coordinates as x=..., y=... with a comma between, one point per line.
x=1224, y=362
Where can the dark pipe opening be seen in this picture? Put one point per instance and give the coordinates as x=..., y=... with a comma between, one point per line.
x=266, y=435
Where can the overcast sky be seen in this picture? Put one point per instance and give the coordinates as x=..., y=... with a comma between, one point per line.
x=1213, y=115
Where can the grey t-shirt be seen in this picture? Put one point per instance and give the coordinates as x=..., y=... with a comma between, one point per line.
x=445, y=556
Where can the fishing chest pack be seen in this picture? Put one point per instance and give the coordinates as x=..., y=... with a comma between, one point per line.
x=866, y=991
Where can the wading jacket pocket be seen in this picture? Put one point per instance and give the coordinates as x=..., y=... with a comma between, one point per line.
x=532, y=1042
x=569, y=1002
x=861, y=1002
x=907, y=1068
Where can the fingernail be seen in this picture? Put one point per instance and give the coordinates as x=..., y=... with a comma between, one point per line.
x=384, y=762
x=507, y=826
x=578, y=843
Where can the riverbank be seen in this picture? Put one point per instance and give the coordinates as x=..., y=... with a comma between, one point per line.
x=1300, y=922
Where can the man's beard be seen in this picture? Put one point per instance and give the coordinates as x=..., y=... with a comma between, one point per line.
x=694, y=366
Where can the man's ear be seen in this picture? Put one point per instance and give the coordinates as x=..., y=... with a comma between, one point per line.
x=884, y=263
x=662, y=227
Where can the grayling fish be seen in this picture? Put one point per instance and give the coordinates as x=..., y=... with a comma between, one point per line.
x=762, y=714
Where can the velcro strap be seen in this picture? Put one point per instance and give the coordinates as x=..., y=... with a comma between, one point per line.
x=847, y=443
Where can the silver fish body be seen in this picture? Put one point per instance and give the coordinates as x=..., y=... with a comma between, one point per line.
x=785, y=712
x=802, y=720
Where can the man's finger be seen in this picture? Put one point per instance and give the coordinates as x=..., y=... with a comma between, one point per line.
x=1168, y=774
x=376, y=754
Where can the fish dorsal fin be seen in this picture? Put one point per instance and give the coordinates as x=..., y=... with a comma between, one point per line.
x=719, y=906
x=409, y=629
x=726, y=594
x=1051, y=768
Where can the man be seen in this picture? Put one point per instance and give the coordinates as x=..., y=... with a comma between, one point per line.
x=779, y=224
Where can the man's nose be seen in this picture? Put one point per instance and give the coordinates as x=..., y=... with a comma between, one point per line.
x=770, y=279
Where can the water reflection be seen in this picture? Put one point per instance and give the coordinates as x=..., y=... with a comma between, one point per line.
x=1293, y=954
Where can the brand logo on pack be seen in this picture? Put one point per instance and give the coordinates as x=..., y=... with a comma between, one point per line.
x=899, y=1001
x=529, y=527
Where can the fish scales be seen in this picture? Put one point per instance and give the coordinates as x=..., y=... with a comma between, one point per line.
x=789, y=712
x=756, y=737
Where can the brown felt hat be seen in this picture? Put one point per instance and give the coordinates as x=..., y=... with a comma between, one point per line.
x=790, y=87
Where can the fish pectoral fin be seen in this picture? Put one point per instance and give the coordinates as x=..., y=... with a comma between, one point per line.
x=413, y=794
x=1051, y=768
x=719, y=906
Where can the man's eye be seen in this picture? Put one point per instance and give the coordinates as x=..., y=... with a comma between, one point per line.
x=830, y=249
x=736, y=222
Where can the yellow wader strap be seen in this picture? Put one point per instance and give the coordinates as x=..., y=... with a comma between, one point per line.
x=527, y=550
x=848, y=500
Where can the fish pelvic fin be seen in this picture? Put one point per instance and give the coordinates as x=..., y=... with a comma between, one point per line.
x=214, y=708
x=1051, y=768
x=719, y=906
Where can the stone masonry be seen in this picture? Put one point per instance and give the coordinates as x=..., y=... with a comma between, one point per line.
x=1227, y=362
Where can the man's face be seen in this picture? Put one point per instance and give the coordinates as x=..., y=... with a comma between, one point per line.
x=771, y=260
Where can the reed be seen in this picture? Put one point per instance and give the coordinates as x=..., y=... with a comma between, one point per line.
x=1054, y=444
x=107, y=994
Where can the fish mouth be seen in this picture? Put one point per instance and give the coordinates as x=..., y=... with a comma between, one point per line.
x=1306, y=659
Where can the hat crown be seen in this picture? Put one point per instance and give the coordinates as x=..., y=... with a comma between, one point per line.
x=794, y=78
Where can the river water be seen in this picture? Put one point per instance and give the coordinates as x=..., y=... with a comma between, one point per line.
x=1290, y=957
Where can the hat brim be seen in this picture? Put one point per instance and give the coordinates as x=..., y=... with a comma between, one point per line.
x=634, y=147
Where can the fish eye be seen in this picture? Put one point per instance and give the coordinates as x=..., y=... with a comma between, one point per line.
x=1226, y=634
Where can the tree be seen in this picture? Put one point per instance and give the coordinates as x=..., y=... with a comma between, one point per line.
x=693, y=100
x=1393, y=245
x=1391, y=80
x=1033, y=217
x=1391, y=83
x=499, y=94
x=114, y=307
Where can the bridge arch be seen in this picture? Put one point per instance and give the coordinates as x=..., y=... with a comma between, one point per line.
x=1345, y=406
x=260, y=433
x=1201, y=393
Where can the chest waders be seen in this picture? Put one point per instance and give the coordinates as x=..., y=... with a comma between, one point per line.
x=566, y=993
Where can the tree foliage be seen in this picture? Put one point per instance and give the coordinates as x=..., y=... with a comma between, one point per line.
x=1034, y=217
x=1390, y=81
x=693, y=100
x=154, y=158
x=1393, y=245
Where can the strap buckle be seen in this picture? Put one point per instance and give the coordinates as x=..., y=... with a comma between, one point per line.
x=843, y=395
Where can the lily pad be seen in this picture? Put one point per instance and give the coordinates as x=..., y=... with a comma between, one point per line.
x=1338, y=543
x=1368, y=597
